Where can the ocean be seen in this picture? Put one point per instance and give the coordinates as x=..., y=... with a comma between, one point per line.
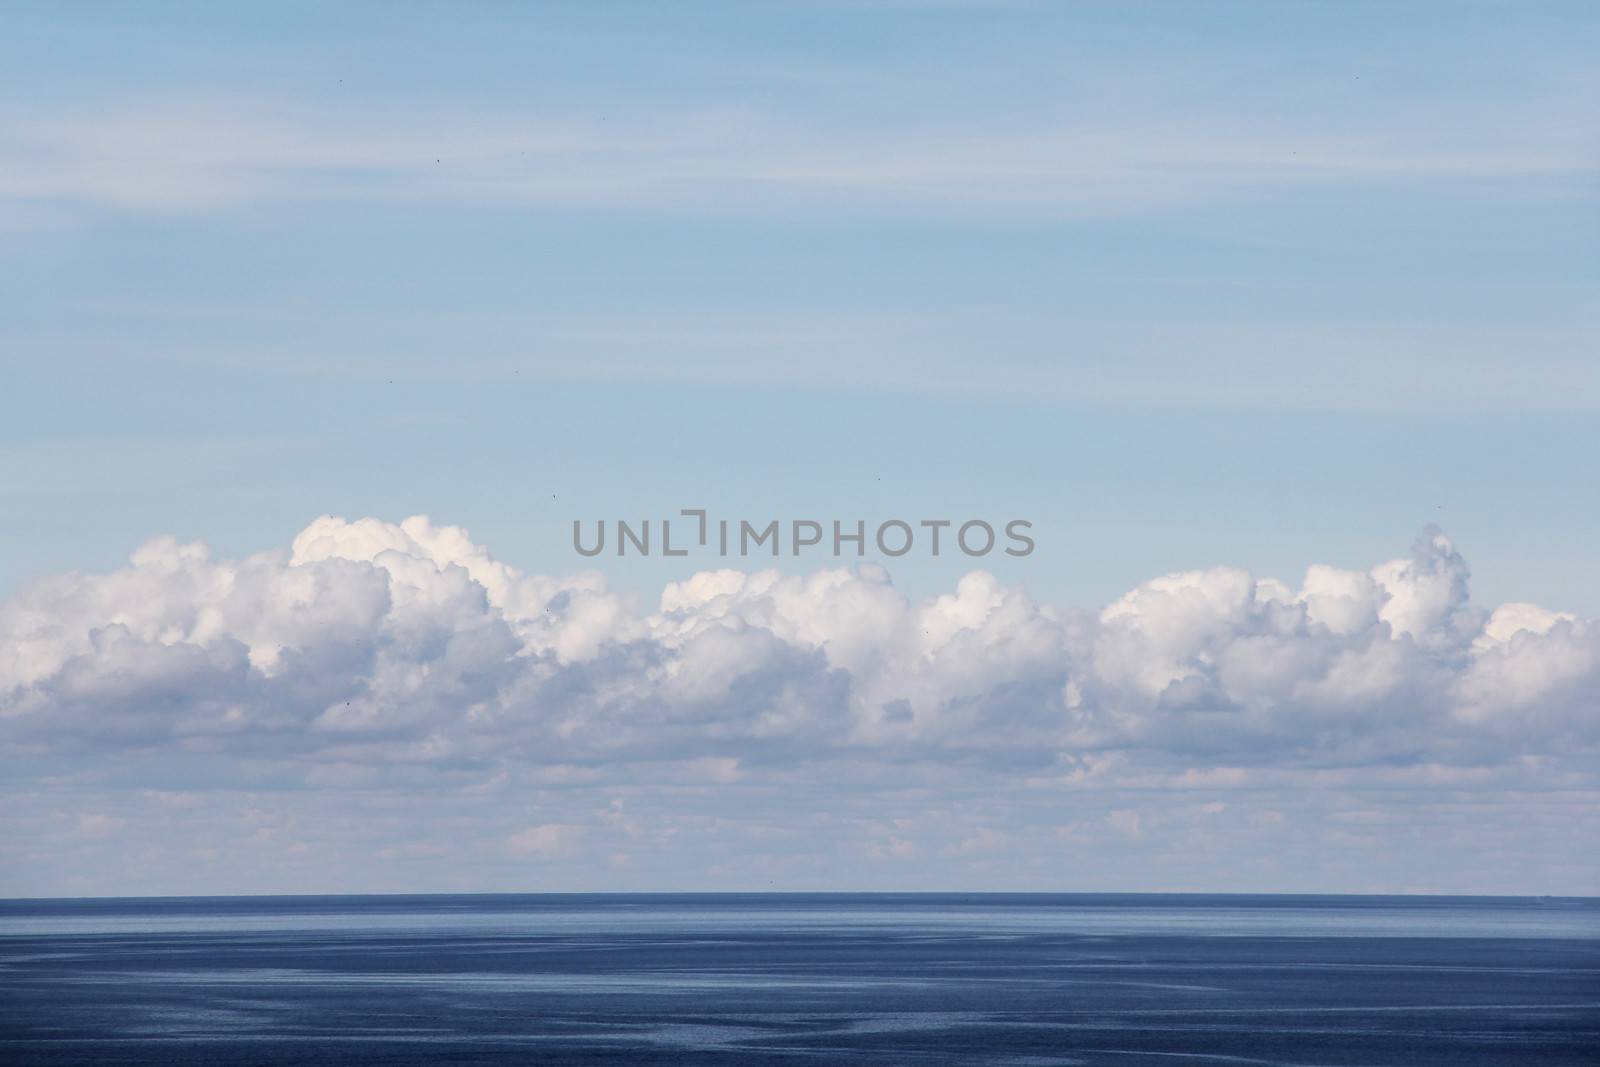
x=797, y=978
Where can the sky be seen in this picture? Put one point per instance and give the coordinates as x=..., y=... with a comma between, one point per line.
x=320, y=327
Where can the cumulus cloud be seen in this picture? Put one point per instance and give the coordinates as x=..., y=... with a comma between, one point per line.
x=370, y=643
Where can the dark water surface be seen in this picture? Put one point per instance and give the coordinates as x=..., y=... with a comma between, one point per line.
x=770, y=979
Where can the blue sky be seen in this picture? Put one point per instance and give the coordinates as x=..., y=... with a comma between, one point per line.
x=1184, y=285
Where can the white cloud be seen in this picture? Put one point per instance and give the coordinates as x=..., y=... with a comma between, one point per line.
x=95, y=824
x=159, y=155
x=377, y=645
x=546, y=841
x=1127, y=822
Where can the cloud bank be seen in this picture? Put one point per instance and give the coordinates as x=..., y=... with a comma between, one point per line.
x=370, y=643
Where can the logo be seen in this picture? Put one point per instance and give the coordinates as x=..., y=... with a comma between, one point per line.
x=697, y=532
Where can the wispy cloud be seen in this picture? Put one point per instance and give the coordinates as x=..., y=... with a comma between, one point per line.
x=179, y=157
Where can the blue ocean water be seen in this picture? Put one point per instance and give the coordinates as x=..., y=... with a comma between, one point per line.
x=788, y=979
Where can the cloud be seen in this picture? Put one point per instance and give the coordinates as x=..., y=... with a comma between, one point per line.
x=548, y=841
x=158, y=155
x=94, y=824
x=1127, y=822
x=409, y=647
